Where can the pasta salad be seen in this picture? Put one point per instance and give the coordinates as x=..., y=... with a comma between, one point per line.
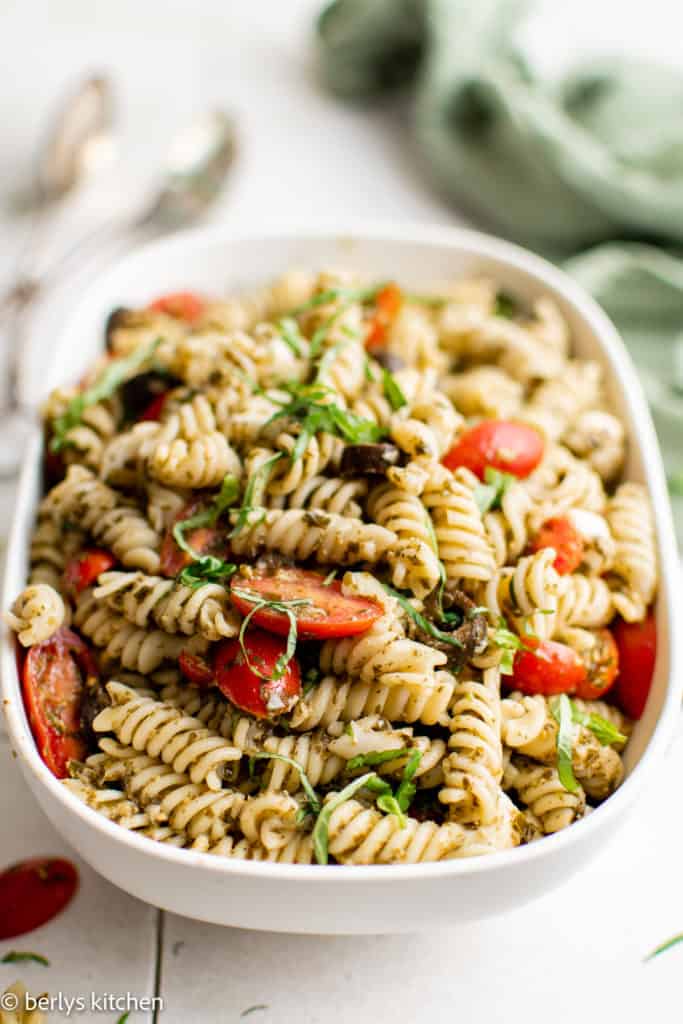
x=334, y=572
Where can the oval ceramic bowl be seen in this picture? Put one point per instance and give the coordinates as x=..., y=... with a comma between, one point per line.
x=351, y=899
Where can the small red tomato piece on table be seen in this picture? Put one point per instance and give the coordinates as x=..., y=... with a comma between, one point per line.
x=561, y=534
x=504, y=445
x=205, y=540
x=327, y=611
x=187, y=306
x=84, y=568
x=249, y=683
x=547, y=667
x=53, y=683
x=387, y=307
x=197, y=671
x=34, y=891
x=602, y=666
x=637, y=645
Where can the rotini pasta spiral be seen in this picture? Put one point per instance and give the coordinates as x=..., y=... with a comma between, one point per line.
x=160, y=730
x=99, y=510
x=173, y=607
x=458, y=527
x=539, y=787
x=413, y=560
x=382, y=656
x=634, y=573
x=359, y=834
x=36, y=614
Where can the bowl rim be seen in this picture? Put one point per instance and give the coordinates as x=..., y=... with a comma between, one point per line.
x=469, y=243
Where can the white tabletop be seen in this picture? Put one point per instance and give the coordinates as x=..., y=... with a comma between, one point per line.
x=576, y=954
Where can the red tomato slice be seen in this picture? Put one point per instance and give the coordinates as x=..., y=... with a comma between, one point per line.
x=602, y=666
x=509, y=447
x=263, y=698
x=197, y=671
x=387, y=307
x=205, y=540
x=34, y=891
x=547, y=667
x=561, y=534
x=84, y=569
x=182, y=305
x=329, y=613
x=637, y=646
x=53, y=687
x=154, y=409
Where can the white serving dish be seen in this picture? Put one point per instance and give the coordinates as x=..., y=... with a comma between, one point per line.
x=351, y=899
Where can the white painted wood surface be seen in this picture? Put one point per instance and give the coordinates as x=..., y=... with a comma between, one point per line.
x=578, y=953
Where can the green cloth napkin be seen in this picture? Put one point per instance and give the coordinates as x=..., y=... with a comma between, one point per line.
x=587, y=170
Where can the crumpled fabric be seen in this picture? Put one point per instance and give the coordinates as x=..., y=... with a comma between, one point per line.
x=587, y=170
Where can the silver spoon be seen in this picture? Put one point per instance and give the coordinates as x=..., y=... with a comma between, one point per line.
x=198, y=162
x=79, y=132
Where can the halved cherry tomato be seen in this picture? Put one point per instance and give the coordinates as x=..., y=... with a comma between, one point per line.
x=182, y=305
x=154, y=409
x=561, y=534
x=637, y=645
x=329, y=613
x=263, y=698
x=84, y=568
x=197, y=671
x=602, y=664
x=547, y=667
x=53, y=687
x=205, y=540
x=387, y=307
x=509, y=447
x=34, y=891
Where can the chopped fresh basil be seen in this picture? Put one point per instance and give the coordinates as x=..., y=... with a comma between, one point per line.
x=312, y=406
x=308, y=789
x=420, y=620
x=292, y=336
x=561, y=711
x=334, y=295
x=253, y=493
x=392, y=391
x=490, y=494
x=375, y=757
x=206, y=570
x=509, y=643
x=208, y=516
x=662, y=948
x=322, y=823
x=123, y=1018
x=254, y=1009
x=14, y=957
x=407, y=788
x=110, y=380
x=603, y=730
x=286, y=608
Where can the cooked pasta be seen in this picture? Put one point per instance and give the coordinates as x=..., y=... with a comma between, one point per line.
x=318, y=563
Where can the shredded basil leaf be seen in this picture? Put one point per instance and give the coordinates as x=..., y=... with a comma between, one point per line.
x=14, y=957
x=407, y=788
x=322, y=824
x=561, y=711
x=334, y=294
x=375, y=757
x=420, y=620
x=208, y=516
x=509, y=643
x=110, y=380
x=286, y=608
x=662, y=948
x=311, y=795
x=601, y=728
x=253, y=493
x=392, y=391
x=311, y=405
x=206, y=570
x=291, y=335
x=490, y=494
x=123, y=1018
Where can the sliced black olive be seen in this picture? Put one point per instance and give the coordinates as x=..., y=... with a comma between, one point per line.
x=95, y=700
x=369, y=459
x=116, y=319
x=139, y=392
x=468, y=628
x=389, y=360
